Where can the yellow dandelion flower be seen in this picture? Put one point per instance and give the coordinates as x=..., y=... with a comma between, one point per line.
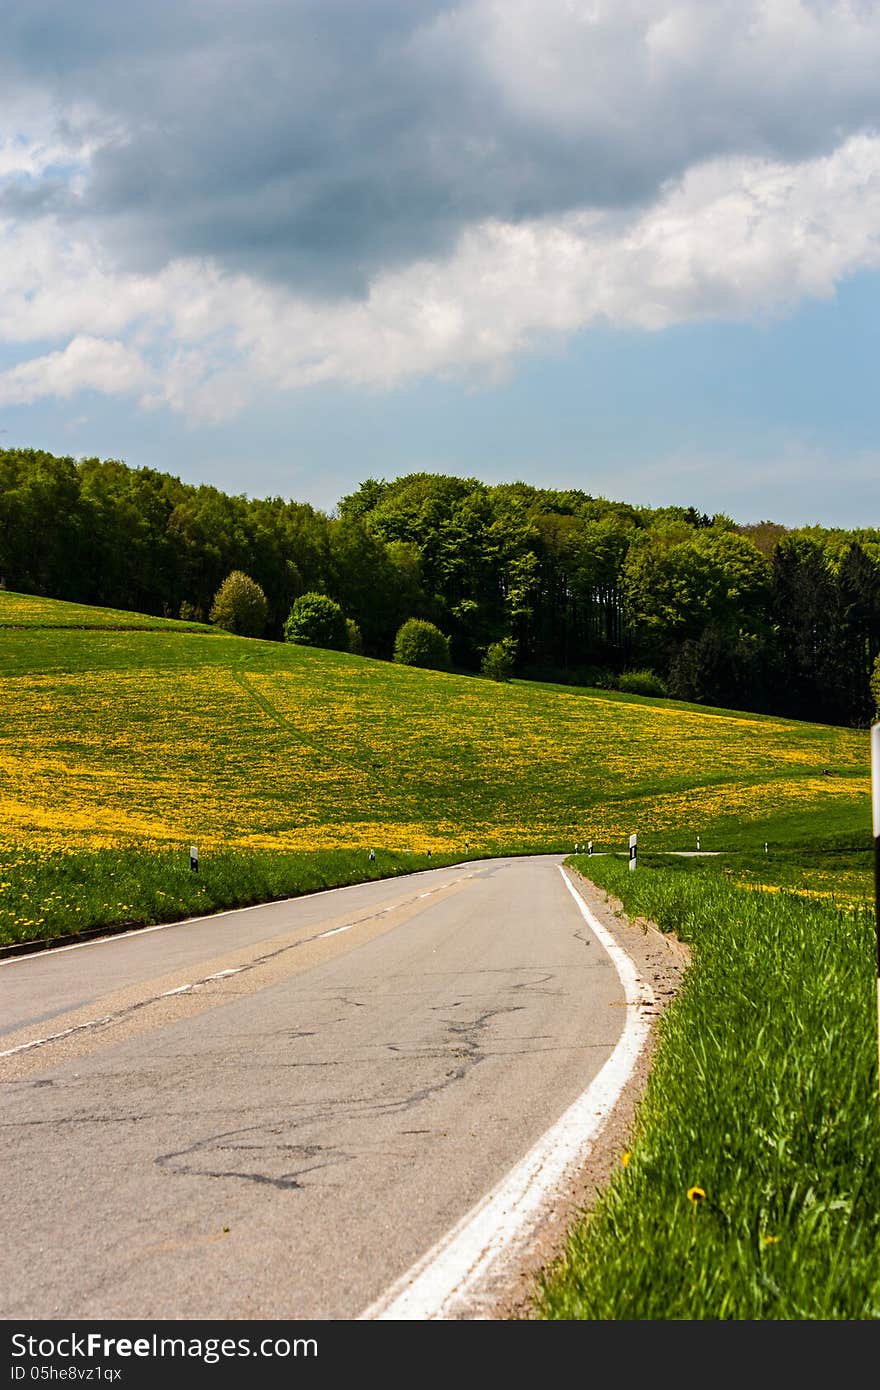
x=770, y=1240
x=696, y=1195
x=625, y=1158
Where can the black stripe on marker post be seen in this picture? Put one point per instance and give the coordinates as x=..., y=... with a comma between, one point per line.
x=875, y=808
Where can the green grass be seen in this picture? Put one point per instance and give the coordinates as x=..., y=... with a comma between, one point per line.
x=839, y=869
x=30, y=611
x=764, y=1095
x=46, y=897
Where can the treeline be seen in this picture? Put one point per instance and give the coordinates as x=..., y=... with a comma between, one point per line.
x=755, y=617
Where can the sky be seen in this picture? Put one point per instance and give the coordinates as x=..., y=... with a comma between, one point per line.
x=628, y=246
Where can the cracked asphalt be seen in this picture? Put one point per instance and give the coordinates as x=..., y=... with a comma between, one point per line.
x=273, y=1113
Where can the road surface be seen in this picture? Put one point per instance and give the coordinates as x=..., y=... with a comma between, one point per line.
x=274, y=1113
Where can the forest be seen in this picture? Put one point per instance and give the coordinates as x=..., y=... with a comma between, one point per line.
x=583, y=590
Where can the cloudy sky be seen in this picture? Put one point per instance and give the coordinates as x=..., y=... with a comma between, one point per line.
x=631, y=246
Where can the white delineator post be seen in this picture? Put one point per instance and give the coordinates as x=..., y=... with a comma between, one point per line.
x=632, y=851
x=193, y=859
x=875, y=806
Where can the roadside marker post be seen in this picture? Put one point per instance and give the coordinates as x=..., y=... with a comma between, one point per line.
x=589, y=847
x=875, y=807
x=193, y=859
x=632, y=850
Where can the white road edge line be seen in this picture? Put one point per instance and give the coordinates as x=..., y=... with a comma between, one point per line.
x=448, y=1276
x=334, y=931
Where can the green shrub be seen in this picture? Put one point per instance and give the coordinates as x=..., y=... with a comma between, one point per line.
x=597, y=677
x=498, y=662
x=317, y=621
x=641, y=683
x=239, y=606
x=419, y=643
x=355, y=639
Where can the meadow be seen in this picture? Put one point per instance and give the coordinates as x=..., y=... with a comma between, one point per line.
x=117, y=740
x=31, y=611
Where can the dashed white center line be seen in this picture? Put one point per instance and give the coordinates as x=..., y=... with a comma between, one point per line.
x=183, y=989
x=55, y=1037
x=110, y=1018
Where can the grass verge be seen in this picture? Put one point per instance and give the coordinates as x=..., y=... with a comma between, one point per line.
x=52, y=895
x=752, y=1190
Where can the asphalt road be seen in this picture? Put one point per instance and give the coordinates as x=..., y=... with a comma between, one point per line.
x=273, y=1113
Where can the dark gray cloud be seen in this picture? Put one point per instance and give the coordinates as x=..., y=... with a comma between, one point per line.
x=317, y=142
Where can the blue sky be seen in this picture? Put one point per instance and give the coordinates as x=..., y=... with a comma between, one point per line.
x=563, y=243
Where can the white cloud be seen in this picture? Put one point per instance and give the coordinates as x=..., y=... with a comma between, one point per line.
x=86, y=364
x=733, y=240
x=321, y=144
x=734, y=237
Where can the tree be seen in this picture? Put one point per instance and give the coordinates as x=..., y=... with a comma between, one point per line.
x=858, y=597
x=717, y=669
x=44, y=526
x=875, y=688
x=240, y=606
x=317, y=621
x=807, y=630
x=355, y=640
x=419, y=643
x=365, y=582
x=677, y=582
x=498, y=661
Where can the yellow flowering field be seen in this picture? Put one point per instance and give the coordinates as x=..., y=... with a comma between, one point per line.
x=114, y=738
x=28, y=610
x=847, y=880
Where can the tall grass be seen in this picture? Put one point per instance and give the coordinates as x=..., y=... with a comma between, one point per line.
x=753, y=1186
x=45, y=895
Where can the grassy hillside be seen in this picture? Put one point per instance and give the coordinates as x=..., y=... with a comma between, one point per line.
x=117, y=737
x=149, y=740
x=30, y=611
